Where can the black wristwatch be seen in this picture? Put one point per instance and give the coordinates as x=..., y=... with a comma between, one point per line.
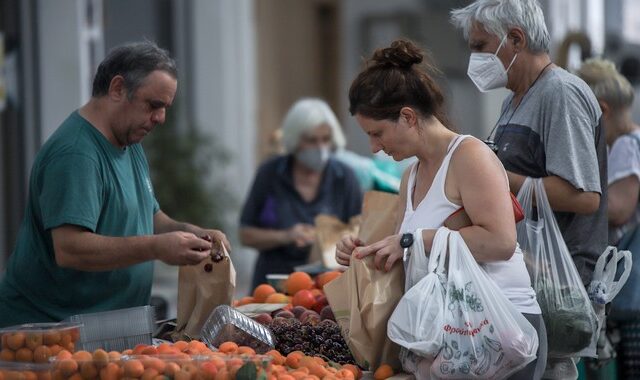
x=406, y=240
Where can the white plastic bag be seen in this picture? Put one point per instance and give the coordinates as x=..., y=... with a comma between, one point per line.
x=485, y=337
x=571, y=322
x=413, y=324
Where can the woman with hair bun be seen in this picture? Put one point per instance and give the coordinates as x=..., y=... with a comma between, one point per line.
x=401, y=108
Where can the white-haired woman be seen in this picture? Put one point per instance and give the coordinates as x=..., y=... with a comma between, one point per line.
x=290, y=190
x=549, y=127
x=615, y=95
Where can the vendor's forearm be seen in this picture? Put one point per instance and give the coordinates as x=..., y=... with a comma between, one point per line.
x=263, y=239
x=163, y=223
x=84, y=250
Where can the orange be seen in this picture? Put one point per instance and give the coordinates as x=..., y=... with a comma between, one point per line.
x=64, y=354
x=276, y=356
x=209, y=370
x=133, y=368
x=357, y=372
x=261, y=292
x=277, y=298
x=228, y=347
x=52, y=337
x=16, y=340
x=41, y=354
x=327, y=277
x=100, y=358
x=245, y=301
x=197, y=346
x=110, y=372
x=181, y=345
x=114, y=356
x=24, y=355
x=298, y=281
x=55, y=349
x=304, y=298
x=293, y=359
x=7, y=355
x=67, y=367
x=149, y=374
x=383, y=372
x=245, y=350
x=33, y=340
x=170, y=369
x=82, y=356
x=88, y=370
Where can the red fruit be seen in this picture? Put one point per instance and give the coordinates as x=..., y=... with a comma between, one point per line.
x=263, y=318
x=327, y=313
x=321, y=302
x=298, y=310
x=310, y=317
x=304, y=298
x=284, y=314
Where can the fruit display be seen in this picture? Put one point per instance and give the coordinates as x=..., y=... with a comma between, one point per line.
x=317, y=339
x=36, y=342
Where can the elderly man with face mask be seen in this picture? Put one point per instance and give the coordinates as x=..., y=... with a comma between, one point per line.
x=549, y=126
x=290, y=190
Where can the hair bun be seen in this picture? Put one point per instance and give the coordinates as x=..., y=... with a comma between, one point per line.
x=402, y=54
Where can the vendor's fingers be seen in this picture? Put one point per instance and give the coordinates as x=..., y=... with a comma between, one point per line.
x=194, y=257
x=357, y=242
x=221, y=237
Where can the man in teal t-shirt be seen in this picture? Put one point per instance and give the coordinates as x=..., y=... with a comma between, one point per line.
x=92, y=225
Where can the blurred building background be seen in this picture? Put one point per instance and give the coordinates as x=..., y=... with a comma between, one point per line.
x=242, y=64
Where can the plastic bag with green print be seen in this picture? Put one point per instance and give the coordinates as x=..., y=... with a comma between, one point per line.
x=484, y=336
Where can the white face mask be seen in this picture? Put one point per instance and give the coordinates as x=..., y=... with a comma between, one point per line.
x=314, y=158
x=486, y=70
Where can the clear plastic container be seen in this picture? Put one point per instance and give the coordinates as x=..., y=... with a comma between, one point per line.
x=36, y=342
x=25, y=371
x=116, y=330
x=227, y=324
x=183, y=367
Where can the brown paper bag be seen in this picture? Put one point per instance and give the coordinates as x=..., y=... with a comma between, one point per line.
x=329, y=231
x=379, y=214
x=199, y=292
x=363, y=298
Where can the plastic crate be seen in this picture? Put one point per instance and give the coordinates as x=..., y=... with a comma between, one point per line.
x=36, y=342
x=183, y=367
x=115, y=330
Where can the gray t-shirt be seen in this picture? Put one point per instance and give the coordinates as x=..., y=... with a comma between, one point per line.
x=556, y=130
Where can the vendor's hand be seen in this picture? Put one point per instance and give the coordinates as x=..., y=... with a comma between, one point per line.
x=387, y=251
x=181, y=248
x=302, y=235
x=218, y=236
x=345, y=248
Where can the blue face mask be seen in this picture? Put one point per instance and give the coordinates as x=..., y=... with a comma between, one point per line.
x=486, y=70
x=315, y=158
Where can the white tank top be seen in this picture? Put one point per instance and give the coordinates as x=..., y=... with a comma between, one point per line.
x=511, y=276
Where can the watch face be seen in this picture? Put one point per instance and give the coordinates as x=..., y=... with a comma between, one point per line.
x=406, y=240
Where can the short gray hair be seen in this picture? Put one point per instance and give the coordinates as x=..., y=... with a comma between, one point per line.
x=607, y=83
x=497, y=16
x=305, y=115
x=134, y=62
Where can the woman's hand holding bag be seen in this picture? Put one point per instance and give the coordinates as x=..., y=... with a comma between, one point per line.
x=422, y=307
